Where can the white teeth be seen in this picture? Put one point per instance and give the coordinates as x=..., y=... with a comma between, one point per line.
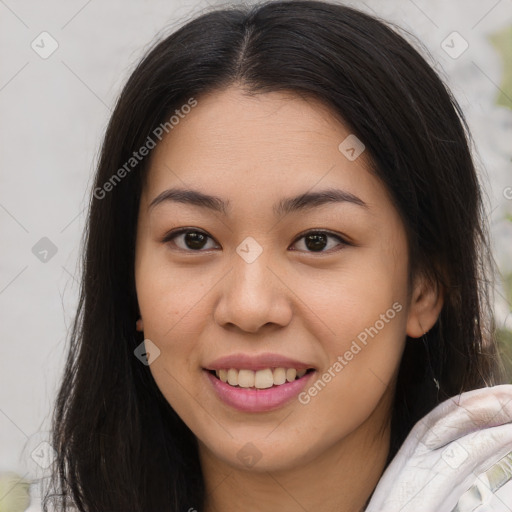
x=263, y=379
x=291, y=373
x=233, y=377
x=279, y=376
x=260, y=379
x=246, y=378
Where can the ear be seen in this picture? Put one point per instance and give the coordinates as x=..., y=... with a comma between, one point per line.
x=139, y=325
x=424, y=308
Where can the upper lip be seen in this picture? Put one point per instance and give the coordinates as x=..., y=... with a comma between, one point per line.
x=256, y=362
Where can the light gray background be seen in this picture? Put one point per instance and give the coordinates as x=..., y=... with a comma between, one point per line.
x=53, y=115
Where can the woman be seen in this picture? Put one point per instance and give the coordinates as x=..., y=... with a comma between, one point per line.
x=285, y=272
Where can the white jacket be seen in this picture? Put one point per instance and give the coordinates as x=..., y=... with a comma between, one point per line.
x=458, y=458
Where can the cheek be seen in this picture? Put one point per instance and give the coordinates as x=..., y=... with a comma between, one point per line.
x=171, y=299
x=345, y=301
x=360, y=317
x=173, y=314
x=363, y=356
x=362, y=328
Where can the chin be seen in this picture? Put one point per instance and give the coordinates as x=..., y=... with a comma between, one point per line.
x=260, y=455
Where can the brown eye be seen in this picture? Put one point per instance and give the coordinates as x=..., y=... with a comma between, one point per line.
x=188, y=239
x=194, y=240
x=317, y=241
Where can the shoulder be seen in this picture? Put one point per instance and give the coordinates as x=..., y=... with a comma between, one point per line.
x=455, y=459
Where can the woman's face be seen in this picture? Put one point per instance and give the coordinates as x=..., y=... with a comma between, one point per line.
x=269, y=284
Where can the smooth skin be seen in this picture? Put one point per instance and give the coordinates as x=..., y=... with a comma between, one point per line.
x=199, y=301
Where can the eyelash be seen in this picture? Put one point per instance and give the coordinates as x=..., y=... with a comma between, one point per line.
x=173, y=234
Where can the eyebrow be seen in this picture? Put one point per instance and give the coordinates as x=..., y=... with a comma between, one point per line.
x=301, y=202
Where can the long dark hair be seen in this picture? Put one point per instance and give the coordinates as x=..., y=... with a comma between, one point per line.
x=120, y=445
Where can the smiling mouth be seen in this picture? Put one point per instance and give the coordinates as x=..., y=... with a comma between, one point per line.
x=259, y=379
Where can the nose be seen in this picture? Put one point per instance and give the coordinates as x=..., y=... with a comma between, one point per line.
x=253, y=295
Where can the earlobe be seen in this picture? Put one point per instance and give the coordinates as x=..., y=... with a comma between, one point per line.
x=139, y=325
x=424, y=309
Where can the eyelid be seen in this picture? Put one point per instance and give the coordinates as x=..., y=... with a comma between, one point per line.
x=341, y=237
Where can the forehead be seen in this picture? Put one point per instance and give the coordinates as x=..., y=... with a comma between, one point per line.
x=257, y=148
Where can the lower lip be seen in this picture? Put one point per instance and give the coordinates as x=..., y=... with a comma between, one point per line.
x=258, y=400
